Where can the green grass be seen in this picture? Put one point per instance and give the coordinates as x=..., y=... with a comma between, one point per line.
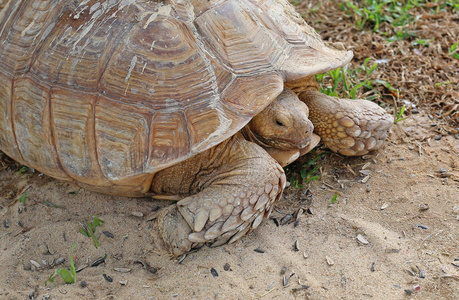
x=89, y=230
x=307, y=173
x=351, y=82
x=334, y=198
x=399, y=115
x=453, y=51
x=23, y=170
x=372, y=14
x=68, y=275
x=346, y=82
x=23, y=197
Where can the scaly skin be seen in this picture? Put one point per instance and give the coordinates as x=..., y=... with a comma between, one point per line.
x=229, y=189
x=348, y=127
x=232, y=188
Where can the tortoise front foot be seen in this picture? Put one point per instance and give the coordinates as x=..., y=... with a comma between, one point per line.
x=232, y=200
x=348, y=127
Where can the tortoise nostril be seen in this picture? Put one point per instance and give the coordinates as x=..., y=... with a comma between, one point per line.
x=279, y=123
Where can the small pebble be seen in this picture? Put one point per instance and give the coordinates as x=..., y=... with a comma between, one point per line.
x=108, y=278
x=423, y=207
x=123, y=282
x=28, y=267
x=259, y=250
x=35, y=264
x=422, y=274
x=283, y=270
x=422, y=226
x=438, y=137
x=108, y=234
x=442, y=170
x=122, y=270
x=302, y=287
x=392, y=250
x=296, y=223
x=305, y=254
x=415, y=269
x=445, y=175
x=365, y=172
x=330, y=262
x=364, y=180
x=284, y=281
x=408, y=291
x=296, y=246
x=5, y=224
x=214, y=272
x=384, y=206
x=372, y=268
x=362, y=239
x=60, y=260
x=227, y=267
x=155, y=208
x=83, y=284
x=44, y=249
x=137, y=214
x=286, y=219
x=97, y=262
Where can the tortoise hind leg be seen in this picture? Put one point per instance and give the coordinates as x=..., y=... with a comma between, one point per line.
x=234, y=189
x=348, y=127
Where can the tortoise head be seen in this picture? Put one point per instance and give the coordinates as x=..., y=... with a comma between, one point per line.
x=284, y=124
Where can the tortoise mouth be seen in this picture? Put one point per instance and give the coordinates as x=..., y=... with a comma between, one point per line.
x=277, y=143
x=281, y=143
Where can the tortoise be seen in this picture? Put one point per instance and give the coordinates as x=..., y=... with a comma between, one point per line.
x=201, y=102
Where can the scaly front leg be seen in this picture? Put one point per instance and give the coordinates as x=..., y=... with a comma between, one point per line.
x=348, y=127
x=234, y=188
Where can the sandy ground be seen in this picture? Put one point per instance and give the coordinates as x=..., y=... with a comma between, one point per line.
x=406, y=213
x=394, y=229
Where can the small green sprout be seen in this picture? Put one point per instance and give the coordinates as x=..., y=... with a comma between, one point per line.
x=23, y=170
x=295, y=183
x=68, y=276
x=334, y=198
x=23, y=197
x=89, y=230
x=439, y=84
x=399, y=116
x=423, y=42
x=453, y=50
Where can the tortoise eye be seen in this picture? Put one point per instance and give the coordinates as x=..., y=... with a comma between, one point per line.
x=279, y=123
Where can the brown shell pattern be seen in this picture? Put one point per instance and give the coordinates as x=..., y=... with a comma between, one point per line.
x=105, y=93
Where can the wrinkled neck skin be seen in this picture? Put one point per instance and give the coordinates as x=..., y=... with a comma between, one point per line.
x=302, y=85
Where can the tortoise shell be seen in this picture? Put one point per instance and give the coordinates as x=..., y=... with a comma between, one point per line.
x=106, y=93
